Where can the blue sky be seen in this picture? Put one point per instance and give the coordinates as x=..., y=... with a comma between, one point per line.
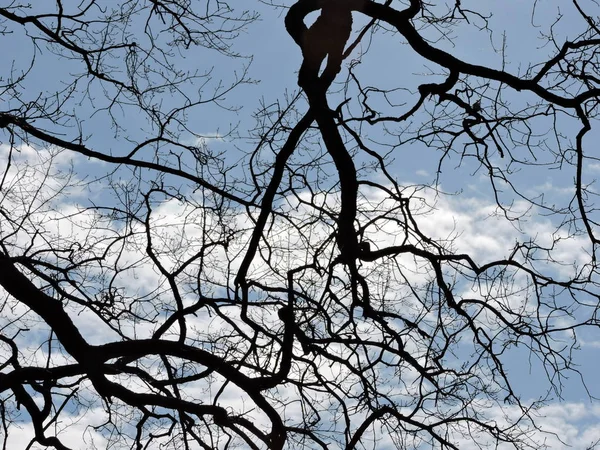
x=463, y=208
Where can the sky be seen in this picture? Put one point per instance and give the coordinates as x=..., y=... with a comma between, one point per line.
x=463, y=206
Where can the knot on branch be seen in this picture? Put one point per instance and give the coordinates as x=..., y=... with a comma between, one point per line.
x=4, y=120
x=326, y=38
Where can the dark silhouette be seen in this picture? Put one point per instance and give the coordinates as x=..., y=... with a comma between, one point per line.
x=287, y=284
x=326, y=38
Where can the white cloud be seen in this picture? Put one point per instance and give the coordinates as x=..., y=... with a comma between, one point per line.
x=467, y=224
x=560, y=425
x=74, y=431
